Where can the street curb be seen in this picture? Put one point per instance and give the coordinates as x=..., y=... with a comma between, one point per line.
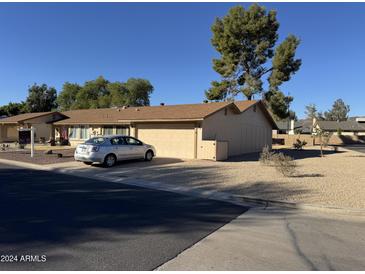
x=303, y=206
x=207, y=194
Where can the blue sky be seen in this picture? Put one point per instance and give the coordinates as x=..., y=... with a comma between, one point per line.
x=169, y=44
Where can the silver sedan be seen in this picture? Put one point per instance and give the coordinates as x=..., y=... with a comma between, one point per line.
x=110, y=149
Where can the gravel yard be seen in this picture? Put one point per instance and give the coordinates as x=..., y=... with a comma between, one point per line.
x=39, y=156
x=338, y=179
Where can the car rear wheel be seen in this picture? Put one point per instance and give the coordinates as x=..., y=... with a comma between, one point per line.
x=110, y=160
x=149, y=155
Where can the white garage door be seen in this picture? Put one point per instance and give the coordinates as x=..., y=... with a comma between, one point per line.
x=170, y=140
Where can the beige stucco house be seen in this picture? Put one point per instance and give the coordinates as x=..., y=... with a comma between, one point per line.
x=41, y=121
x=214, y=130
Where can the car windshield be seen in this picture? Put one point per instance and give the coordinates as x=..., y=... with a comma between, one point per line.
x=95, y=141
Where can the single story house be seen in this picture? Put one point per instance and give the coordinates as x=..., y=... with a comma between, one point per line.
x=303, y=126
x=41, y=121
x=214, y=130
x=349, y=127
x=343, y=132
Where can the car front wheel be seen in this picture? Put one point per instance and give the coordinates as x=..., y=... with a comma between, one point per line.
x=149, y=155
x=110, y=160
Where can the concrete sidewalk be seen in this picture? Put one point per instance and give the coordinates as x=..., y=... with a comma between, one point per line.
x=278, y=239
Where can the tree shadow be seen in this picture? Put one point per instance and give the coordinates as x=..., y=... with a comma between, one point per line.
x=308, y=175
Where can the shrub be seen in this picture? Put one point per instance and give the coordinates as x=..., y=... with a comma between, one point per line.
x=298, y=145
x=284, y=164
x=266, y=155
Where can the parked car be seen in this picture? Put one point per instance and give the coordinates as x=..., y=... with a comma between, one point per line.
x=110, y=149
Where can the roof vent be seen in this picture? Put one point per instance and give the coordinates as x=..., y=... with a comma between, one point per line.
x=162, y=104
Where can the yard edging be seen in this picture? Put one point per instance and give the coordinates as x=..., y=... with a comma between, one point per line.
x=207, y=194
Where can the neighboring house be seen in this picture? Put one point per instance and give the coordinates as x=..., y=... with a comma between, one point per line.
x=351, y=131
x=350, y=127
x=41, y=121
x=203, y=131
x=303, y=126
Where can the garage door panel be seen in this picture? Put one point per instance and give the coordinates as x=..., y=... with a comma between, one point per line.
x=171, y=140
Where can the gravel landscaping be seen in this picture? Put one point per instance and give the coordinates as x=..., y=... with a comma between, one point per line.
x=39, y=156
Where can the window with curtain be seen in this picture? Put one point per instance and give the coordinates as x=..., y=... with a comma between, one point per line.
x=122, y=130
x=84, y=132
x=108, y=130
x=72, y=132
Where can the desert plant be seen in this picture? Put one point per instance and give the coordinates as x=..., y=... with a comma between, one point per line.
x=284, y=164
x=266, y=155
x=324, y=139
x=298, y=145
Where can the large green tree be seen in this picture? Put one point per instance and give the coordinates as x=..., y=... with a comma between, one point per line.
x=339, y=111
x=139, y=91
x=101, y=93
x=12, y=109
x=41, y=98
x=67, y=96
x=246, y=42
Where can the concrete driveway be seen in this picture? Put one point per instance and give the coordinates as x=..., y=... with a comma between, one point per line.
x=85, y=224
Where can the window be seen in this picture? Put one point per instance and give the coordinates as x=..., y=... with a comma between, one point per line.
x=84, y=133
x=108, y=130
x=72, y=132
x=132, y=141
x=121, y=130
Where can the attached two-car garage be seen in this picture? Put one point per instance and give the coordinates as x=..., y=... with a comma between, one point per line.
x=176, y=140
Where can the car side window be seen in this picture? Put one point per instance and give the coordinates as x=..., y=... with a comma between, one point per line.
x=121, y=141
x=132, y=141
x=114, y=141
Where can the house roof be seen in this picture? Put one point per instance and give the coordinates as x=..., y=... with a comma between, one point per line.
x=304, y=125
x=343, y=125
x=23, y=117
x=186, y=112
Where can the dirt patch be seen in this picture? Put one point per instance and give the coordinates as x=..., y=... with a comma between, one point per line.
x=39, y=156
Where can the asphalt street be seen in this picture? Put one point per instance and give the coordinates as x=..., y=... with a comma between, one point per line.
x=50, y=221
